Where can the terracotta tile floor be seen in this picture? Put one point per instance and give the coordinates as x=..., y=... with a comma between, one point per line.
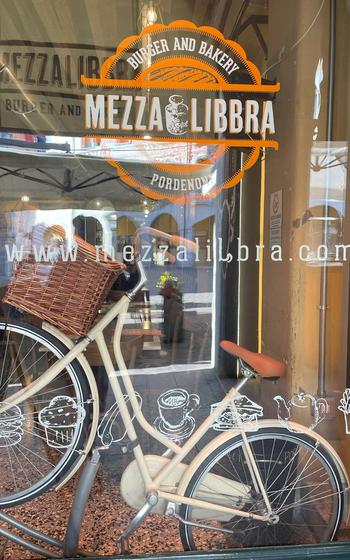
x=106, y=517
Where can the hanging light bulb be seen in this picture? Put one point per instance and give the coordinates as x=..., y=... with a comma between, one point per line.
x=149, y=14
x=100, y=204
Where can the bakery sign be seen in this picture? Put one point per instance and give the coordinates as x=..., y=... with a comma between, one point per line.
x=187, y=98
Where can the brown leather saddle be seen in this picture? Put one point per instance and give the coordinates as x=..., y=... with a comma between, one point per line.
x=261, y=364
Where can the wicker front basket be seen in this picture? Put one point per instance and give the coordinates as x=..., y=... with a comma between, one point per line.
x=67, y=294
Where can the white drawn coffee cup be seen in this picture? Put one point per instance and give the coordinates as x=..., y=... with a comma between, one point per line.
x=175, y=406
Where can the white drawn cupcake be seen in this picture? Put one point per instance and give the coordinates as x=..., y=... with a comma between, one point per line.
x=60, y=418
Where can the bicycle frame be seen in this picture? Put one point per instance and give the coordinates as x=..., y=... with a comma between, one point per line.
x=152, y=485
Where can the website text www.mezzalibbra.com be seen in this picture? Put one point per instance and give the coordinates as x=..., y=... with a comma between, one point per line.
x=207, y=252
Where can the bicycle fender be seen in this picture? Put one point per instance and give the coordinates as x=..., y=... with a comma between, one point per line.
x=94, y=395
x=227, y=435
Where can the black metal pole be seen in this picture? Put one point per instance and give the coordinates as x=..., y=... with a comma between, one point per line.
x=324, y=267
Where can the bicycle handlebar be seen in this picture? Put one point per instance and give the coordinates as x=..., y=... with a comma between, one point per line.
x=142, y=280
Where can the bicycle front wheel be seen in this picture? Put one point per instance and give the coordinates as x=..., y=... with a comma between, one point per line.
x=39, y=438
x=301, y=480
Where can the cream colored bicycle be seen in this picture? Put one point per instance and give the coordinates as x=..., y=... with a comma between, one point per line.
x=250, y=486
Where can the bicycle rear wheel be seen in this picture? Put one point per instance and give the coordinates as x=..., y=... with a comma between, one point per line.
x=40, y=438
x=301, y=480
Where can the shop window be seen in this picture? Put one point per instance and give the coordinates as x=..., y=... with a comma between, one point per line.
x=173, y=216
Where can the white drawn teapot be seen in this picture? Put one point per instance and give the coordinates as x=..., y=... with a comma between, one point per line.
x=318, y=406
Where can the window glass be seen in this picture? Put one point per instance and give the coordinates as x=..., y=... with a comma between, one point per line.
x=173, y=215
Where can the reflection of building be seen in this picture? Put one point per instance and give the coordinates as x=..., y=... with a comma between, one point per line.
x=326, y=212
x=126, y=230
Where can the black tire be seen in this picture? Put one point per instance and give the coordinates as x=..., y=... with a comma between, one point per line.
x=40, y=439
x=304, y=517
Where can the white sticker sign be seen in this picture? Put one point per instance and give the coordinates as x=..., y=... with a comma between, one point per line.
x=276, y=218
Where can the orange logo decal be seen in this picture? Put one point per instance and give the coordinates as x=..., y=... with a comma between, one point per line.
x=184, y=96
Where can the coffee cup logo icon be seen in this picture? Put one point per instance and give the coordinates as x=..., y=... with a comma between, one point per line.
x=176, y=115
x=175, y=407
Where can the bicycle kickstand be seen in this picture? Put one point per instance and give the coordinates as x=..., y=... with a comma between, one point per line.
x=123, y=541
x=123, y=545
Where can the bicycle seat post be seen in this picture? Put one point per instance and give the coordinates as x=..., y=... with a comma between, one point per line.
x=246, y=375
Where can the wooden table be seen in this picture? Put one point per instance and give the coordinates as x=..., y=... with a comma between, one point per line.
x=133, y=342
